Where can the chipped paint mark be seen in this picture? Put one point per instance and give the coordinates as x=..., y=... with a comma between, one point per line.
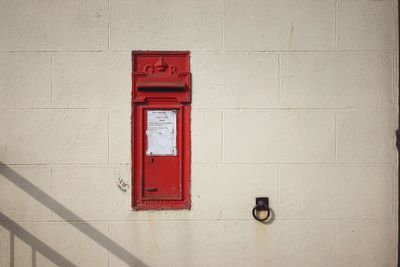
x=124, y=186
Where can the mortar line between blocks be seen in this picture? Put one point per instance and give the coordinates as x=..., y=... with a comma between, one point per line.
x=395, y=25
x=394, y=196
x=208, y=220
x=108, y=27
x=279, y=79
x=55, y=51
x=336, y=25
x=293, y=163
x=336, y=139
x=342, y=51
x=336, y=245
x=108, y=245
x=394, y=81
x=211, y=51
x=108, y=137
x=58, y=108
x=223, y=25
x=223, y=244
x=51, y=79
x=279, y=189
x=214, y=163
x=222, y=136
x=319, y=109
x=52, y=194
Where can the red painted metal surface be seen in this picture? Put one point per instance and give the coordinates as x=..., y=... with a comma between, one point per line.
x=161, y=81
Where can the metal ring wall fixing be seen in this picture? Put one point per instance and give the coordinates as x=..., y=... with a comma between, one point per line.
x=262, y=204
x=256, y=209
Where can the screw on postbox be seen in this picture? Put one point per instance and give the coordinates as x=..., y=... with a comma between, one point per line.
x=161, y=105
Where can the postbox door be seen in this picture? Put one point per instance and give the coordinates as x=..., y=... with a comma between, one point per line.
x=162, y=170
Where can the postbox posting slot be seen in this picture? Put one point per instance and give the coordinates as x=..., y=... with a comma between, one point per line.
x=161, y=86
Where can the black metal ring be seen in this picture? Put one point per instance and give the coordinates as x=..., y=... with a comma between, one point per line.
x=257, y=208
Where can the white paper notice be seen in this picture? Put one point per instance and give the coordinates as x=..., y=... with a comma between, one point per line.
x=161, y=132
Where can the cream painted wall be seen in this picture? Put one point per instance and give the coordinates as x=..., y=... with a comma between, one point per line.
x=295, y=99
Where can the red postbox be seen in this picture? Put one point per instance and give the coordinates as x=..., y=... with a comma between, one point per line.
x=161, y=97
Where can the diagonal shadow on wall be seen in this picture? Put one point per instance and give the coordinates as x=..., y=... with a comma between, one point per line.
x=64, y=213
x=34, y=242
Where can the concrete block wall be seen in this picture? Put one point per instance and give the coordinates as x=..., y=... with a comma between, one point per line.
x=296, y=100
